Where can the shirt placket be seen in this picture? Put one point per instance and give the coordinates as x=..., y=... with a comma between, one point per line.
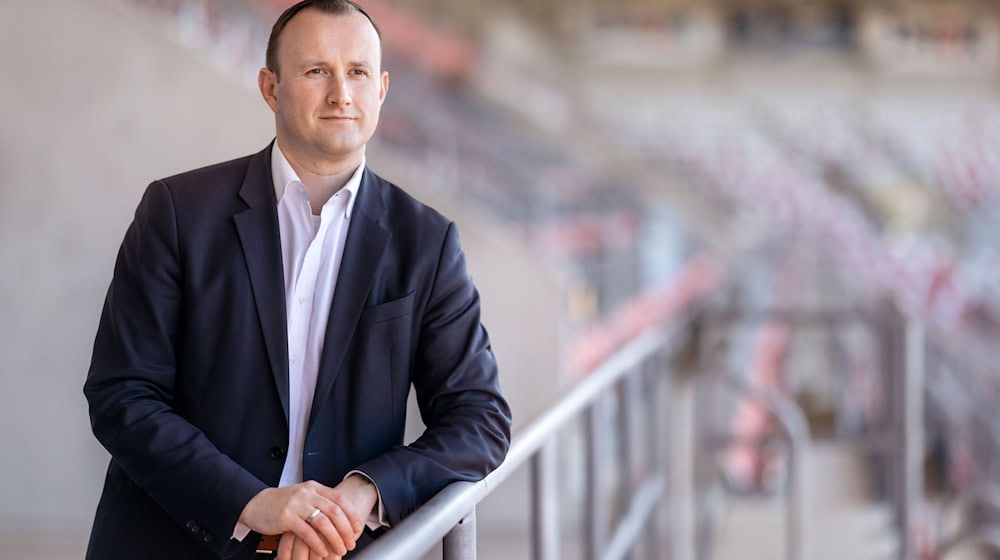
x=301, y=314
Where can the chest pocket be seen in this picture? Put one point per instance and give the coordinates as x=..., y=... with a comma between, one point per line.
x=388, y=310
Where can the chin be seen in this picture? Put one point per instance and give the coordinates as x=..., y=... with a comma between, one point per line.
x=341, y=152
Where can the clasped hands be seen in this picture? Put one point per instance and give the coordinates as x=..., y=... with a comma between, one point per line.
x=331, y=533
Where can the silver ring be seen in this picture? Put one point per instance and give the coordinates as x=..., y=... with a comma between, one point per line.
x=315, y=513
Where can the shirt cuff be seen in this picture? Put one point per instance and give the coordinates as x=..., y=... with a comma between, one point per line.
x=241, y=531
x=376, y=518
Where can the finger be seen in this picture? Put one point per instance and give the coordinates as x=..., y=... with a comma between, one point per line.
x=306, y=533
x=301, y=550
x=338, y=544
x=338, y=517
x=322, y=526
x=356, y=518
x=344, y=526
x=285, y=546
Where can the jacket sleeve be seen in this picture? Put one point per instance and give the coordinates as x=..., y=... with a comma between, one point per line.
x=455, y=376
x=131, y=385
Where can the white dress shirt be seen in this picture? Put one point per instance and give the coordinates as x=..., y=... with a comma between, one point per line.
x=312, y=248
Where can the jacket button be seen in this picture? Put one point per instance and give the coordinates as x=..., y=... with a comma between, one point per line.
x=277, y=453
x=193, y=527
x=207, y=537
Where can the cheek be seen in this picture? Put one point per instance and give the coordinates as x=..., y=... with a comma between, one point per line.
x=288, y=114
x=297, y=101
x=373, y=104
x=372, y=123
x=367, y=95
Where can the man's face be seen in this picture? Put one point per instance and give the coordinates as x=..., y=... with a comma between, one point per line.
x=329, y=88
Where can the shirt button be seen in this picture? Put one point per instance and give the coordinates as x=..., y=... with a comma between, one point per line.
x=277, y=453
x=293, y=359
x=302, y=300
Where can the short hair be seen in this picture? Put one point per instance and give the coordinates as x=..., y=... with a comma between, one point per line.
x=333, y=7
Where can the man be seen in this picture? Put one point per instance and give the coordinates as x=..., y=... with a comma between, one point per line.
x=266, y=319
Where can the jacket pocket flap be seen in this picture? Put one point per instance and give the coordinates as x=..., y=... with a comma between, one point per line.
x=388, y=310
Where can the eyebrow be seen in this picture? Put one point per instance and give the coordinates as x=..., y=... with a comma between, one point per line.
x=350, y=63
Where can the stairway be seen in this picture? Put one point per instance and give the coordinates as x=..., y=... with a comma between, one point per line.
x=842, y=521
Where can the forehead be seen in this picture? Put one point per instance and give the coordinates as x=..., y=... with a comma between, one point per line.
x=313, y=34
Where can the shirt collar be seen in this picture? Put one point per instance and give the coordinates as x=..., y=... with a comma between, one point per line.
x=282, y=174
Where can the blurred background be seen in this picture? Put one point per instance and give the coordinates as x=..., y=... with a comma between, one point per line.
x=808, y=190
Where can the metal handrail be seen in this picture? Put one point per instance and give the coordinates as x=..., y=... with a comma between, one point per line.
x=796, y=430
x=439, y=518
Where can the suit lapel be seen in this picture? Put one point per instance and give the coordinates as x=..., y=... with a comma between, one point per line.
x=366, y=241
x=259, y=235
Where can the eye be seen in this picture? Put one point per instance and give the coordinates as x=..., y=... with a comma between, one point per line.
x=359, y=72
x=317, y=72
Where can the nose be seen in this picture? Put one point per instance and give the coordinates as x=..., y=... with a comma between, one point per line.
x=339, y=93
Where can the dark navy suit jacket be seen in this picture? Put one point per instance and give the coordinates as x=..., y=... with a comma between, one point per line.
x=188, y=385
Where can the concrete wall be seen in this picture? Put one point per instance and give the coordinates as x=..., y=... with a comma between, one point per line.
x=97, y=100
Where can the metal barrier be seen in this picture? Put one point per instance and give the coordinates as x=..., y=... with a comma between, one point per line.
x=450, y=515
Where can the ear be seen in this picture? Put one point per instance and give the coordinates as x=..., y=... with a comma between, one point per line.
x=385, y=87
x=267, y=81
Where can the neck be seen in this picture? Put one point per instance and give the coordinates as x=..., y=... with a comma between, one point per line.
x=322, y=179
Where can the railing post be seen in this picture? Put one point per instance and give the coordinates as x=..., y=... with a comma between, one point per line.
x=684, y=458
x=797, y=510
x=460, y=542
x=888, y=326
x=913, y=432
x=662, y=536
x=633, y=428
x=596, y=523
x=545, y=502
